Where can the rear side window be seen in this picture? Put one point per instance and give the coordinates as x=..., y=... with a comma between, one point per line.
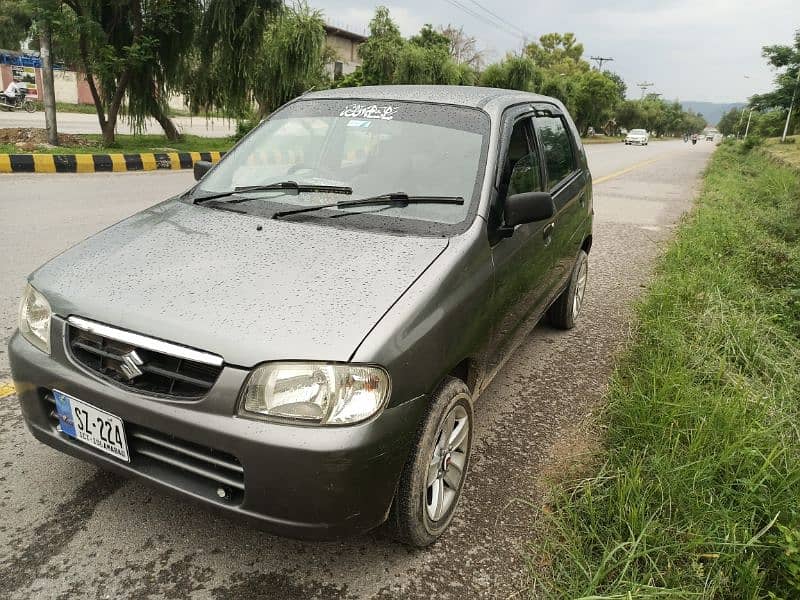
x=558, y=154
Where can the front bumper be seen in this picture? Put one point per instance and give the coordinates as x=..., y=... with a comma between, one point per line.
x=298, y=481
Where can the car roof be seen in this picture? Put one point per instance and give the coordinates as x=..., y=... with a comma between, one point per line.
x=462, y=95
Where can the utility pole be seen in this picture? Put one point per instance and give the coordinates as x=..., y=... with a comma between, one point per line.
x=48, y=86
x=750, y=116
x=644, y=85
x=791, y=105
x=600, y=60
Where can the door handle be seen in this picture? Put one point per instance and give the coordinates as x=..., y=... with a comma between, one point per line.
x=548, y=230
x=582, y=199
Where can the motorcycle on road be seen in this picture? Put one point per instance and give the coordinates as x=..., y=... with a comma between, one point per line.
x=20, y=102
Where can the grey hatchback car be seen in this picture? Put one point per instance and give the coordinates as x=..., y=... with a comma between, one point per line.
x=299, y=339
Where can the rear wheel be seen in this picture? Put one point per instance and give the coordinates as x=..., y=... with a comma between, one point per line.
x=565, y=310
x=29, y=106
x=431, y=483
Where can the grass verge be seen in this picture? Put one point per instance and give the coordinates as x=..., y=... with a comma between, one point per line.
x=789, y=152
x=131, y=144
x=697, y=496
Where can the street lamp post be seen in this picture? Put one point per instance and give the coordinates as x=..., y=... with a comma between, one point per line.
x=791, y=105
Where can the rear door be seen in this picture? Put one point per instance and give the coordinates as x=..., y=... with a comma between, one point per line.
x=566, y=180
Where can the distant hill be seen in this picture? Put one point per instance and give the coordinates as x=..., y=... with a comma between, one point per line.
x=712, y=111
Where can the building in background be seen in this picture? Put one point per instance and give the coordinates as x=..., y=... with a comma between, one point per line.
x=345, y=47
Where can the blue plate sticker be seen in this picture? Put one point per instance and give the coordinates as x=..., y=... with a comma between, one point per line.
x=64, y=410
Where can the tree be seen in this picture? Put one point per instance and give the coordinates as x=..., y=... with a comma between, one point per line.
x=513, y=73
x=787, y=81
x=729, y=122
x=380, y=53
x=426, y=66
x=462, y=47
x=428, y=37
x=230, y=32
x=595, y=97
x=290, y=59
x=135, y=50
x=558, y=52
x=622, y=88
x=15, y=20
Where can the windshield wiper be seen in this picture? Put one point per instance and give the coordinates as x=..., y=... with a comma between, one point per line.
x=400, y=199
x=287, y=186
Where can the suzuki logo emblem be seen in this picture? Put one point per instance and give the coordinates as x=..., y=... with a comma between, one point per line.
x=130, y=364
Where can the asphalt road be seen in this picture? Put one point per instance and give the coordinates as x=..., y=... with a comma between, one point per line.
x=70, y=530
x=83, y=123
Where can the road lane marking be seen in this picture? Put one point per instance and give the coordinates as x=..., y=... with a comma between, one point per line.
x=633, y=167
x=6, y=389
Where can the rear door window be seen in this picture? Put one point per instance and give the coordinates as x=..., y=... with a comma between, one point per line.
x=558, y=153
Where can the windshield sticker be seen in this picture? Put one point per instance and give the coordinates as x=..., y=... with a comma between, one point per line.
x=372, y=111
x=358, y=123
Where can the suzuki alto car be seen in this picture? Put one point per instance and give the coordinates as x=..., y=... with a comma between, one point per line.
x=301, y=338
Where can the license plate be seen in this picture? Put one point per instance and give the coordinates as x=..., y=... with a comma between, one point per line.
x=92, y=426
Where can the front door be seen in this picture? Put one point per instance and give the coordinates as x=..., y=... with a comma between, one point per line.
x=522, y=258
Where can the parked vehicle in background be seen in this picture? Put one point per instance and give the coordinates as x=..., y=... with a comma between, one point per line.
x=301, y=337
x=638, y=137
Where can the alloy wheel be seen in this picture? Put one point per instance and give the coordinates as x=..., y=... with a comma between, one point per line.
x=446, y=466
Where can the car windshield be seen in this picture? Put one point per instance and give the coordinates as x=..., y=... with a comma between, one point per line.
x=369, y=146
x=638, y=132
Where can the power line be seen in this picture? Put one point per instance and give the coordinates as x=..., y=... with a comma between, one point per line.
x=483, y=18
x=498, y=17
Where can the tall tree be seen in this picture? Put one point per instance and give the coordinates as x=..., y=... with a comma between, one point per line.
x=379, y=54
x=428, y=37
x=463, y=48
x=15, y=20
x=135, y=50
x=291, y=58
x=231, y=32
x=558, y=52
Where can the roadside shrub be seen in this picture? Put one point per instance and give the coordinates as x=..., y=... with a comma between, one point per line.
x=752, y=141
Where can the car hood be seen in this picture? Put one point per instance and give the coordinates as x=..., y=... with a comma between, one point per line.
x=210, y=280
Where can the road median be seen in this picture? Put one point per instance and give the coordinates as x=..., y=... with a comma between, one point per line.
x=102, y=163
x=695, y=494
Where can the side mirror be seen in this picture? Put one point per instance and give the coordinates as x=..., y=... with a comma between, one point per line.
x=528, y=207
x=201, y=167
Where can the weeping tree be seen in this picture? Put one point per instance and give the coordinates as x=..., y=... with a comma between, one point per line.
x=230, y=35
x=379, y=54
x=291, y=59
x=133, y=50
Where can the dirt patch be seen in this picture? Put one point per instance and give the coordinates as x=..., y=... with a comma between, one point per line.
x=574, y=455
x=32, y=138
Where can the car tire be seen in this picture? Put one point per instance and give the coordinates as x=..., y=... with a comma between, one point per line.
x=433, y=477
x=567, y=308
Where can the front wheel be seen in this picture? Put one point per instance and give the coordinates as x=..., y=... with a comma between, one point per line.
x=565, y=310
x=431, y=483
x=29, y=106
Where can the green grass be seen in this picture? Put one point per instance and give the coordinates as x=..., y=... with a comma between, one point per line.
x=132, y=144
x=698, y=494
x=788, y=152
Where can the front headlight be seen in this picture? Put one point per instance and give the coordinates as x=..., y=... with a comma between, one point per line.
x=34, y=319
x=318, y=393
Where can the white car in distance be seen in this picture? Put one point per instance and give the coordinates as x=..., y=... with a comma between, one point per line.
x=639, y=137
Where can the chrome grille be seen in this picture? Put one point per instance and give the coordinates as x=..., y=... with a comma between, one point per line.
x=144, y=369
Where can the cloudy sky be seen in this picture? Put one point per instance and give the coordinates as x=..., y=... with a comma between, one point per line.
x=690, y=49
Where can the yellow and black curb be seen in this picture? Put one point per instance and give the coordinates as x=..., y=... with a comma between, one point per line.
x=102, y=163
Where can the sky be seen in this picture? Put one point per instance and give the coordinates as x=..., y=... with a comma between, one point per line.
x=702, y=50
